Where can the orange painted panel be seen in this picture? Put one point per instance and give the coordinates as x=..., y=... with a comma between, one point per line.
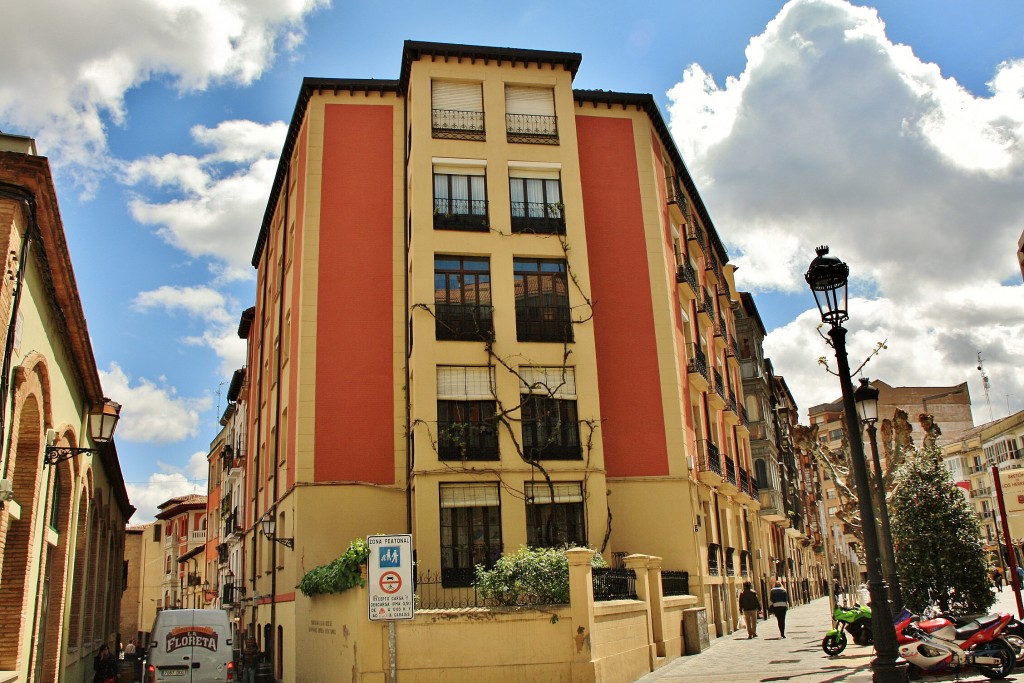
x=633, y=429
x=293, y=383
x=355, y=403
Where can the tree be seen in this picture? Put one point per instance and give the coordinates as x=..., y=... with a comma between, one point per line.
x=937, y=538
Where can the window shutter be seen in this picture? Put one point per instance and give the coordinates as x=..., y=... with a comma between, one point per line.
x=456, y=383
x=457, y=96
x=558, y=382
x=469, y=495
x=525, y=100
x=565, y=492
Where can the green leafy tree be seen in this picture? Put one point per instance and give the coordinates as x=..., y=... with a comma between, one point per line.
x=530, y=576
x=937, y=537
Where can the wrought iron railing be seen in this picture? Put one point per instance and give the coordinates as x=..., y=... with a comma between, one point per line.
x=675, y=583
x=709, y=459
x=696, y=233
x=452, y=588
x=463, y=322
x=697, y=361
x=711, y=263
x=460, y=214
x=731, y=401
x=745, y=482
x=538, y=217
x=453, y=124
x=532, y=128
x=730, y=470
x=543, y=323
x=719, y=383
x=675, y=192
x=709, y=305
x=688, y=274
x=614, y=584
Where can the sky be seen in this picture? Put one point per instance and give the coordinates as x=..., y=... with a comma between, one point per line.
x=891, y=131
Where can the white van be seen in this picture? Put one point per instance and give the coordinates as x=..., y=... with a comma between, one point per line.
x=190, y=646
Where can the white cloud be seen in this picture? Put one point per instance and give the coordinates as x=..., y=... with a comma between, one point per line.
x=150, y=412
x=96, y=52
x=833, y=134
x=160, y=487
x=220, y=197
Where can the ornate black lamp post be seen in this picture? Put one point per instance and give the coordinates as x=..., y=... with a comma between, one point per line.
x=827, y=277
x=866, y=398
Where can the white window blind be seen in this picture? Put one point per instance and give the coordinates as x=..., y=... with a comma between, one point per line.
x=558, y=382
x=469, y=495
x=457, y=96
x=521, y=99
x=456, y=383
x=539, y=493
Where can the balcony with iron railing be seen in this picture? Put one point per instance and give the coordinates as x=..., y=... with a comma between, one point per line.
x=675, y=198
x=981, y=493
x=538, y=218
x=709, y=462
x=460, y=214
x=686, y=278
x=532, y=128
x=695, y=233
x=706, y=310
x=463, y=322
x=713, y=268
x=721, y=333
x=729, y=483
x=716, y=398
x=732, y=413
x=697, y=367
x=745, y=490
x=452, y=124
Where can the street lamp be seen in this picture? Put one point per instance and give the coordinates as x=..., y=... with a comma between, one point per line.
x=102, y=422
x=827, y=277
x=268, y=525
x=866, y=398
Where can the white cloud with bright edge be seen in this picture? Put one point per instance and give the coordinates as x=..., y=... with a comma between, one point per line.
x=833, y=134
x=79, y=78
x=169, y=482
x=219, y=197
x=151, y=412
x=210, y=306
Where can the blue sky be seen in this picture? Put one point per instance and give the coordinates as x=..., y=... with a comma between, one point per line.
x=892, y=131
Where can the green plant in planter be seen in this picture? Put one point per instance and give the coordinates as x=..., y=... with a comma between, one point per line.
x=530, y=576
x=337, y=576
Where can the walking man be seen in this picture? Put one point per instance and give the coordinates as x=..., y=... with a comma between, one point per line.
x=779, y=601
x=750, y=605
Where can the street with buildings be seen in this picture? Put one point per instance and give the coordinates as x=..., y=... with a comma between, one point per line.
x=491, y=311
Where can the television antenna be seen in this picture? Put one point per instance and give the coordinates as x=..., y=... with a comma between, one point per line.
x=986, y=384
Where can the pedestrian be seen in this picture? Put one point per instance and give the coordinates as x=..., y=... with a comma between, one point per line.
x=750, y=605
x=250, y=655
x=997, y=579
x=779, y=601
x=105, y=666
x=1020, y=577
x=129, y=649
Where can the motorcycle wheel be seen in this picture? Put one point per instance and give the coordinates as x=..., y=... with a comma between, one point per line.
x=1006, y=656
x=864, y=637
x=1017, y=643
x=834, y=644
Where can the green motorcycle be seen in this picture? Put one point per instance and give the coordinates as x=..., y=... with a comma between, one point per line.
x=856, y=620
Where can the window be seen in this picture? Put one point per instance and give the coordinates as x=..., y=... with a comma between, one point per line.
x=542, y=300
x=466, y=409
x=537, y=203
x=457, y=110
x=713, y=559
x=835, y=434
x=830, y=494
x=462, y=298
x=554, y=515
x=530, y=115
x=156, y=533
x=470, y=531
x=460, y=199
x=551, y=429
x=730, y=567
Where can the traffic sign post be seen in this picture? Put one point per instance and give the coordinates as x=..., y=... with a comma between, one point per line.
x=390, y=577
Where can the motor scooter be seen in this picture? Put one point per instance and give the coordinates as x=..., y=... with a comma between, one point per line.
x=856, y=620
x=935, y=645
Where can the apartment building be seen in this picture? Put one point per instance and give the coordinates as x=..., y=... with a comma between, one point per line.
x=63, y=506
x=183, y=521
x=491, y=311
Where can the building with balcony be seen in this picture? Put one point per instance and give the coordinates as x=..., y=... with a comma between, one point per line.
x=183, y=521
x=62, y=524
x=491, y=311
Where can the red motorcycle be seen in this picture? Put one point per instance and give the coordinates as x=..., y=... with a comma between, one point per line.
x=937, y=645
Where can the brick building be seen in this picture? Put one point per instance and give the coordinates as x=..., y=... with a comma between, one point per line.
x=62, y=531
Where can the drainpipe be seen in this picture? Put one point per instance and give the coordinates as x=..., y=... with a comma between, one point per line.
x=407, y=222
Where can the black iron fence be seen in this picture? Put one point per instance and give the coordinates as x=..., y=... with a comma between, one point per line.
x=614, y=584
x=675, y=583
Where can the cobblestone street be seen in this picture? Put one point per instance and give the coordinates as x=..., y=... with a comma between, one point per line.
x=799, y=658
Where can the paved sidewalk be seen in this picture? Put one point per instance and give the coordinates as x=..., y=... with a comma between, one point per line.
x=768, y=658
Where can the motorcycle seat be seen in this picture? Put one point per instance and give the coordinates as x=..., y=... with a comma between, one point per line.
x=968, y=630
